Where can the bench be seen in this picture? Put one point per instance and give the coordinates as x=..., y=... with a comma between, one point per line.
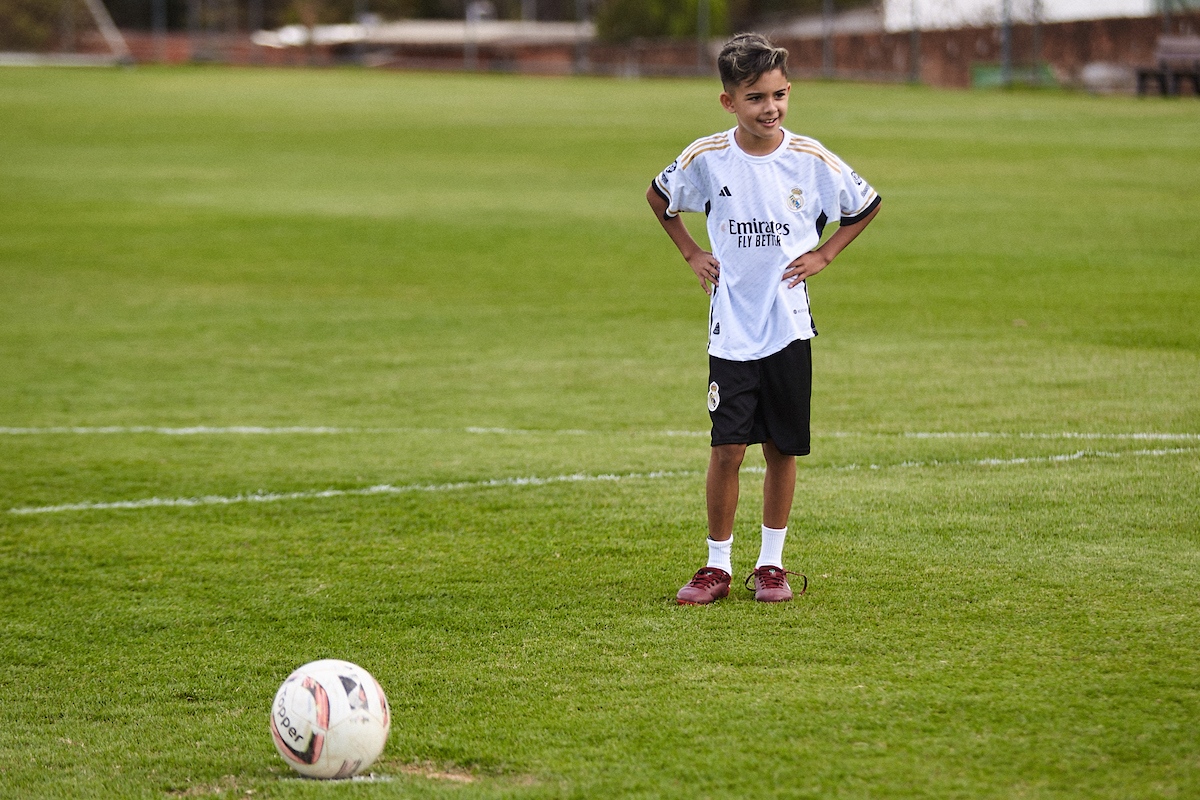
x=1178, y=61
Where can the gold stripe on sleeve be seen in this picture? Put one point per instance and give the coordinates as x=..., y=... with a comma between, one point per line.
x=870, y=199
x=812, y=149
x=691, y=156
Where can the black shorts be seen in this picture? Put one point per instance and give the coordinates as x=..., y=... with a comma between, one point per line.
x=752, y=401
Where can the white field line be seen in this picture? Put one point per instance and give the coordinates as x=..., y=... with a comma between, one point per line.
x=388, y=489
x=275, y=497
x=1177, y=437
x=1007, y=462
x=260, y=430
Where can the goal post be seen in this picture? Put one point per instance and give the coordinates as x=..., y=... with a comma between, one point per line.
x=108, y=29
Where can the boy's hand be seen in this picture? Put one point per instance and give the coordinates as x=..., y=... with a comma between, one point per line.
x=707, y=269
x=814, y=261
x=805, y=266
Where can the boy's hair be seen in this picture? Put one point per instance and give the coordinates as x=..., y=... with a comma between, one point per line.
x=745, y=58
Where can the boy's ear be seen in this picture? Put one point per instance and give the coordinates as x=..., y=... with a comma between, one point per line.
x=727, y=102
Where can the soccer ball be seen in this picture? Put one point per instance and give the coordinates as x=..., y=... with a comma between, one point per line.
x=330, y=719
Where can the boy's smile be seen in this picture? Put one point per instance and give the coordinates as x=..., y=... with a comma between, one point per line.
x=760, y=108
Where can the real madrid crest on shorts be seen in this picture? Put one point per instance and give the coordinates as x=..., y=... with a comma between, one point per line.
x=795, y=200
x=714, y=396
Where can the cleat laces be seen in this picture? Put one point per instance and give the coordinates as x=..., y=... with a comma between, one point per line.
x=706, y=578
x=774, y=578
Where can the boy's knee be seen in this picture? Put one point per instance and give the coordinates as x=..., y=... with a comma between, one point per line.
x=775, y=458
x=728, y=456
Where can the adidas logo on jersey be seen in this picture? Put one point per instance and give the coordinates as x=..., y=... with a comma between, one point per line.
x=717, y=329
x=724, y=192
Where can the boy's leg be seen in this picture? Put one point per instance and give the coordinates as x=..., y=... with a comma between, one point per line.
x=712, y=581
x=787, y=393
x=721, y=489
x=779, y=487
x=732, y=401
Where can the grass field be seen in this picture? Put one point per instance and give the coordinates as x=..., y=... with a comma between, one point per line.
x=232, y=302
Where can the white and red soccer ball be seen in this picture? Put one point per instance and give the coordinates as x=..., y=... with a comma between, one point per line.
x=330, y=719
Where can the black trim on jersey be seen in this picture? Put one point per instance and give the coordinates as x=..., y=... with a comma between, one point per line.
x=707, y=207
x=863, y=215
x=821, y=221
x=812, y=323
x=663, y=195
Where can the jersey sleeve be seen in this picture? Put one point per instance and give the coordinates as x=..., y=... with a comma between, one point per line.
x=855, y=196
x=679, y=186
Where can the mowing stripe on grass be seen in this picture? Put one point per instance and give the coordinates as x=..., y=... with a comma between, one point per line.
x=275, y=497
x=196, y=430
x=261, y=430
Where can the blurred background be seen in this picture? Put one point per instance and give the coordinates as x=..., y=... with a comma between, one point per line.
x=1100, y=45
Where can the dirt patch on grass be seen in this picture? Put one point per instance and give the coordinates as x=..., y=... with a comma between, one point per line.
x=454, y=773
x=227, y=784
x=436, y=772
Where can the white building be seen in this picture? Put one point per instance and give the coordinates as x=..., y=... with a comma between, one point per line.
x=903, y=15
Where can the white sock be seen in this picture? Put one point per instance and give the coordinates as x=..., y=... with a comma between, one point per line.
x=771, y=552
x=718, y=554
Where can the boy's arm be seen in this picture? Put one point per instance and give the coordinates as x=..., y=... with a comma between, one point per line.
x=814, y=261
x=703, y=263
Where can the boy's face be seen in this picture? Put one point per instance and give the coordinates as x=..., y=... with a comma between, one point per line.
x=760, y=108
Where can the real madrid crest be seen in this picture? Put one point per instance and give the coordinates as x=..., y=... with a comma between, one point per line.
x=795, y=200
x=714, y=396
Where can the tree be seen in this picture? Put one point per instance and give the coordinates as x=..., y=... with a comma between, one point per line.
x=622, y=20
x=30, y=24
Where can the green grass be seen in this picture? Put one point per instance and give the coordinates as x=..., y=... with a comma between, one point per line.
x=461, y=275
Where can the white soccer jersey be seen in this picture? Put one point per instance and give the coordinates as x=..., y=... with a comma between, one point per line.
x=763, y=213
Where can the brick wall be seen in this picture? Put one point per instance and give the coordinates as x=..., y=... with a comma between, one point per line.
x=946, y=57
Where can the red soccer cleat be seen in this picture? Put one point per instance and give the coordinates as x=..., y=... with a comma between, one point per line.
x=771, y=585
x=707, y=585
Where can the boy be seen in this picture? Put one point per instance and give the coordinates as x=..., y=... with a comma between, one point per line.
x=768, y=194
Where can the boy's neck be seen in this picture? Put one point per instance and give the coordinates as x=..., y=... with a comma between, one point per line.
x=753, y=145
